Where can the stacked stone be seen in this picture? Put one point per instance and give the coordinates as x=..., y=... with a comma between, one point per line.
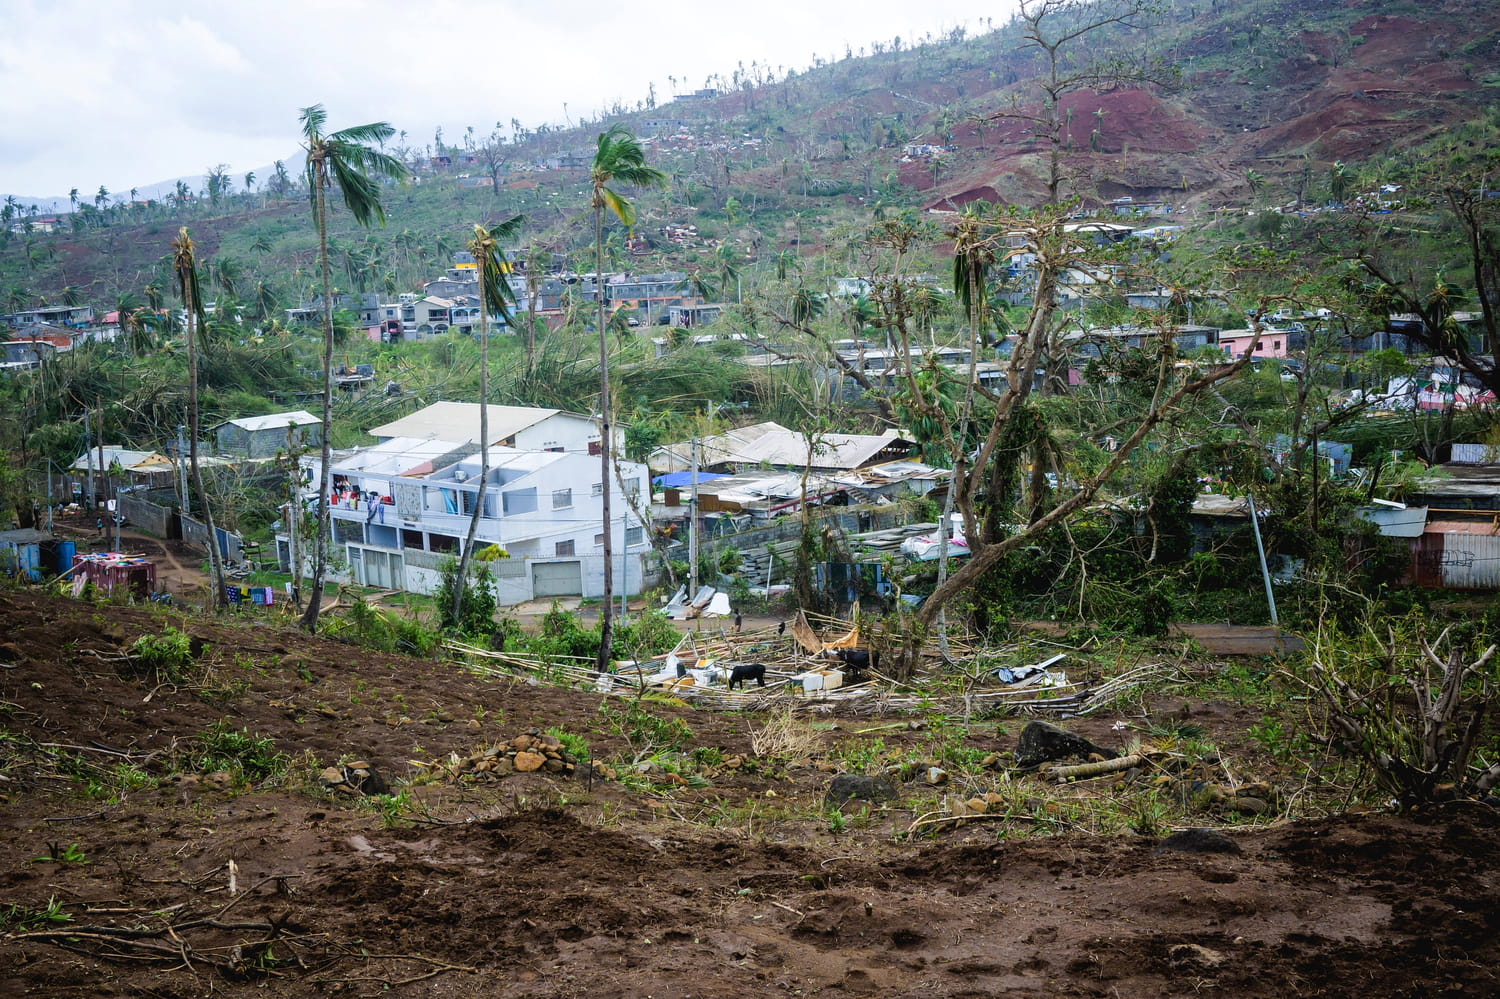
x=534, y=752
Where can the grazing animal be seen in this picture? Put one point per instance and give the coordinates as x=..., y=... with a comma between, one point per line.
x=745, y=672
x=857, y=661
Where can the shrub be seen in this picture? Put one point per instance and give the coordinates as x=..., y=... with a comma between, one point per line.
x=476, y=612
x=252, y=757
x=1417, y=712
x=169, y=655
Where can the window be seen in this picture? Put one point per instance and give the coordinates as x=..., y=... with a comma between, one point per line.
x=599, y=541
x=634, y=536
x=562, y=498
x=597, y=489
x=563, y=548
x=632, y=487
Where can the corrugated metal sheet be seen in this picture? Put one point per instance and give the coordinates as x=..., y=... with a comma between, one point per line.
x=1474, y=454
x=1459, y=555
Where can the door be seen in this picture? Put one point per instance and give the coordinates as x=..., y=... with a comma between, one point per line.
x=556, y=579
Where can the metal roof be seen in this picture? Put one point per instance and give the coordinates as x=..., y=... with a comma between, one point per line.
x=274, y=421
x=459, y=421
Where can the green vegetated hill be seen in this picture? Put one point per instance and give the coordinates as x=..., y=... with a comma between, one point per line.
x=1250, y=95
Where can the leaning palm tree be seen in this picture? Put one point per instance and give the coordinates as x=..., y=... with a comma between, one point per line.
x=346, y=159
x=495, y=296
x=620, y=159
x=185, y=266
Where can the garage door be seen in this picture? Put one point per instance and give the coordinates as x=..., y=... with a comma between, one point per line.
x=556, y=579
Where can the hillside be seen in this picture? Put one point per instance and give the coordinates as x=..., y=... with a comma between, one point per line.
x=167, y=835
x=1278, y=88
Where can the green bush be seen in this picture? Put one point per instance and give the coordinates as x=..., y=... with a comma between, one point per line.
x=169, y=656
x=476, y=613
x=251, y=757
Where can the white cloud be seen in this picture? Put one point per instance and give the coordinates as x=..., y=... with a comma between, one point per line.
x=130, y=93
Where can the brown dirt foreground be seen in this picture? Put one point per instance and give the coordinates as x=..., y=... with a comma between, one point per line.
x=542, y=886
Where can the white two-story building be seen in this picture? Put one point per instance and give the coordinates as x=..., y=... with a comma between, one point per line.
x=528, y=428
x=402, y=506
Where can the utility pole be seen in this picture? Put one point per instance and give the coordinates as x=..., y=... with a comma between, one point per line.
x=624, y=562
x=88, y=456
x=1260, y=549
x=693, y=528
x=182, y=469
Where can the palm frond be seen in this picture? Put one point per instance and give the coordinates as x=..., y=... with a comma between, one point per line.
x=369, y=161
x=361, y=194
x=313, y=119
x=375, y=131
x=622, y=209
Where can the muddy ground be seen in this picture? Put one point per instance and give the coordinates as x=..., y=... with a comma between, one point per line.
x=550, y=884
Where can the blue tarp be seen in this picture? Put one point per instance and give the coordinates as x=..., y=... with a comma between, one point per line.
x=676, y=480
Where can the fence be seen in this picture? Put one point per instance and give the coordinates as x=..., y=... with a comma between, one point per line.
x=847, y=520
x=195, y=533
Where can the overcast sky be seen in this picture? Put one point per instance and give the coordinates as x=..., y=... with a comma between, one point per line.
x=129, y=93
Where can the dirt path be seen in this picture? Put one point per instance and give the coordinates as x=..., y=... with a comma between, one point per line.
x=178, y=568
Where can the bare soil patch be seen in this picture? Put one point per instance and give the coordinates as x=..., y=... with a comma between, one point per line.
x=539, y=885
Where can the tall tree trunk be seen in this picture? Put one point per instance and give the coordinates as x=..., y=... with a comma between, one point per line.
x=320, y=548
x=606, y=615
x=466, y=556
x=215, y=563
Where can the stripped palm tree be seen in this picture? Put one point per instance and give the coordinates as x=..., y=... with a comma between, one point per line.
x=618, y=159
x=185, y=266
x=346, y=159
x=495, y=296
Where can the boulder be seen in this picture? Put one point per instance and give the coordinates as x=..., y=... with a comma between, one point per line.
x=528, y=762
x=1042, y=742
x=849, y=787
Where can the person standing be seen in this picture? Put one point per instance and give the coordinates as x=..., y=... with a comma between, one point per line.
x=738, y=622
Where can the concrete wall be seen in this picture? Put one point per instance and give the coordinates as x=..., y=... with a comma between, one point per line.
x=148, y=516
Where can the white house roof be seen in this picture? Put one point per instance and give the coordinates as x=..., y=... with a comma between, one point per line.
x=459, y=421
x=274, y=421
x=398, y=456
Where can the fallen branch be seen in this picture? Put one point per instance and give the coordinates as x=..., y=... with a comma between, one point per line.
x=1084, y=771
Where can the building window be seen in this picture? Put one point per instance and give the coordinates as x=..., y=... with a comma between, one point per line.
x=599, y=540
x=634, y=536
x=562, y=498
x=632, y=487
x=597, y=489
x=564, y=548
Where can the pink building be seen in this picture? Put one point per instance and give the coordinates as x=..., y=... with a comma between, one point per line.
x=1273, y=343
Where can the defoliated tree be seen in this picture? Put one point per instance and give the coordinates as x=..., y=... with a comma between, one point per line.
x=618, y=159
x=185, y=266
x=346, y=159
